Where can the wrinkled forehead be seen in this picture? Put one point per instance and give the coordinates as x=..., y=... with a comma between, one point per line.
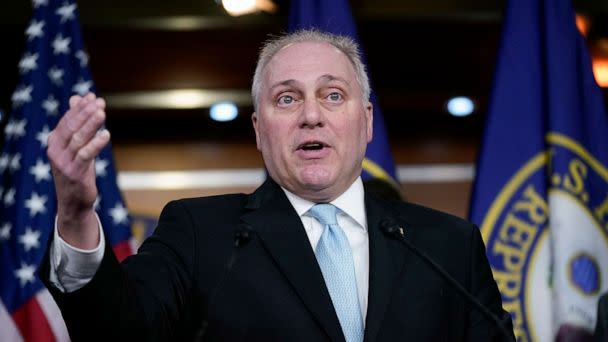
x=304, y=60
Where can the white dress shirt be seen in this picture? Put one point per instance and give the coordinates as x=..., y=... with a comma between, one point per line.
x=72, y=268
x=353, y=221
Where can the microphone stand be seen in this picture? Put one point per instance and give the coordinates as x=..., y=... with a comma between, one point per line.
x=394, y=231
x=241, y=237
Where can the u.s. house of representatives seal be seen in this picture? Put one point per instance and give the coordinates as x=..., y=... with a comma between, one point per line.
x=546, y=236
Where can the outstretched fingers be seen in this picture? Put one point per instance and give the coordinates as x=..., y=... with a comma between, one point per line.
x=81, y=108
x=81, y=136
x=77, y=138
x=91, y=149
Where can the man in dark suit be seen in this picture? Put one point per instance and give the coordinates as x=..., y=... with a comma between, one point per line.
x=303, y=258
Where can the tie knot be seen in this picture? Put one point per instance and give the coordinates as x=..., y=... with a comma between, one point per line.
x=325, y=213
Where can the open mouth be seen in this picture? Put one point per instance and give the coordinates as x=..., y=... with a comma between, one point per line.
x=312, y=146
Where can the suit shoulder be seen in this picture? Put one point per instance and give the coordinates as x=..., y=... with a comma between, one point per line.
x=443, y=236
x=218, y=205
x=422, y=216
x=211, y=200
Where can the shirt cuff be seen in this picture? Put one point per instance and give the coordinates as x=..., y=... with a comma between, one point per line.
x=72, y=267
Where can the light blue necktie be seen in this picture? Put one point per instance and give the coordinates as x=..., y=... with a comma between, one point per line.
x=336, y=261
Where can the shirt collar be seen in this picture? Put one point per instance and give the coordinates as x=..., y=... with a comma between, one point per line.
x=351, y=202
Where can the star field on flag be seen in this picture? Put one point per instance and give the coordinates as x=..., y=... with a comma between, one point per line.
x=53, y=68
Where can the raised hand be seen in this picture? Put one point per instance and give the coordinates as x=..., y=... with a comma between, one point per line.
x=72, y=148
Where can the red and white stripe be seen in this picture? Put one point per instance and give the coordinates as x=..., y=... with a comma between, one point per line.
x=53, y=314
x=8, y=329
x=39, y=319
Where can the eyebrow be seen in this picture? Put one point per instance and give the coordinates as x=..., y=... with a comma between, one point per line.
x=329, y=78
x=290, y=82
x=323, y=78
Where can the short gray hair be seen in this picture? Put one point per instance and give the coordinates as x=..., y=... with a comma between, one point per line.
x=343, y=43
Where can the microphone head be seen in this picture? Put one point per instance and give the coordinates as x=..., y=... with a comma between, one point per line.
x=242, y=235
x=391, y=228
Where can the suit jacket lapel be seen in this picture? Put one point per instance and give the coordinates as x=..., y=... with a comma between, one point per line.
x=281, y=232
x=386, y=263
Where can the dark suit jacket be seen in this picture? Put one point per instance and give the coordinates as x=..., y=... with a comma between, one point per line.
x=274, y=290
x=601, y=327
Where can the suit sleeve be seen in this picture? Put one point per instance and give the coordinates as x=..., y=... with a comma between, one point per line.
x=484, y=288
x=601, y=326
x=145, y=298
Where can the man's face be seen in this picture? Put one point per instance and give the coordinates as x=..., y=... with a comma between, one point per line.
x=312, y=126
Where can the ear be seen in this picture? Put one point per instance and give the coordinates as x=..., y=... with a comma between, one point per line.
x=254, y=122
x=369, y=118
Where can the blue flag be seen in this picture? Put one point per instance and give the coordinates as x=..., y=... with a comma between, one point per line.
x=54, y=67
x=335, y=17
x=541, y=190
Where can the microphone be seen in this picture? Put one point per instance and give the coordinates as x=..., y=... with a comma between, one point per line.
x=241, y=237
x=393, y=230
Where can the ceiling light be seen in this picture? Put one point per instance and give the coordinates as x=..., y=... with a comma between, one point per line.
x=582, y=24
x=460, y=106
x=223, y=111
x=241, y=7
x=177, y=98
x=600, y=71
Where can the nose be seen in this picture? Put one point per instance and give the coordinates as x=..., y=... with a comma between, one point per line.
x=312, y=114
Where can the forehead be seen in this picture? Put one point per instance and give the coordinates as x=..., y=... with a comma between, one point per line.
x=308, y=61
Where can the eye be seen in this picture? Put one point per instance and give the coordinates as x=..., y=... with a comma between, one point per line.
x=286, y=100
x=335, y=97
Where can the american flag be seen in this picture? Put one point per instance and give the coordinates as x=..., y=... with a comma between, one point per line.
x=53, y=67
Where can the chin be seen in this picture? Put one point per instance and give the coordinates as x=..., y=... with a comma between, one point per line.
x=316, y=177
